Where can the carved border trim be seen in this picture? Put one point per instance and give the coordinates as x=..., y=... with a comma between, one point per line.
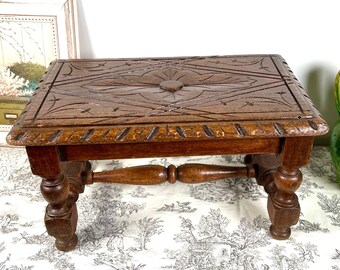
x=165, y=133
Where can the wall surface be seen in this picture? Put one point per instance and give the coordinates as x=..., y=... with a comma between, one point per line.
x=304, y=32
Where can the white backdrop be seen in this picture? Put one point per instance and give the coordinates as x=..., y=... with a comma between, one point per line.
x=304, y=32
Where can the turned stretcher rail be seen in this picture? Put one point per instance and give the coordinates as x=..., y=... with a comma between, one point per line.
x=156, y=174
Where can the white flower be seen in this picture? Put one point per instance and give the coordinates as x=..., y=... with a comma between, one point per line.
x=9, y=83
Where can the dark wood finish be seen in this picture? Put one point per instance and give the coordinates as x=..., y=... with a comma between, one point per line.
x=283, y=204
x=125, y=100
x=61, y=184
x=281, y=177
x=156, y=174
x=197, y=173
x=173, y=149
x=265, y=166
x=136, y=108
x=142, y=175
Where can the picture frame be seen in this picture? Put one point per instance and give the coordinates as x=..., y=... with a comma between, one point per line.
x=32, y=34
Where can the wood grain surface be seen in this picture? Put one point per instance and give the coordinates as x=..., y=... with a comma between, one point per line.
x=167, y=99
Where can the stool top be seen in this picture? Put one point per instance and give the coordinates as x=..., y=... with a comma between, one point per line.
x=166, y=99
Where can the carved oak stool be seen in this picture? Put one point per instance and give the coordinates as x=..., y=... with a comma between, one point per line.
x=138, y=108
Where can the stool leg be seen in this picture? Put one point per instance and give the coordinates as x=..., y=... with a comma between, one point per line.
x=282, y=215
x=61, y=215
x=74, y=173
x=60, y=186
x=283, y=205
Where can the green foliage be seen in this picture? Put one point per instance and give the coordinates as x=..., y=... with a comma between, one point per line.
x=335, y=148
x=335, y=135
x=337, y=91
x=28, y=71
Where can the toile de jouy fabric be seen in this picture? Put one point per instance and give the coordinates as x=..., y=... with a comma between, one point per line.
x=209, y=226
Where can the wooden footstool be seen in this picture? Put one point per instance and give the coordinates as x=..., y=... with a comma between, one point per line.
x=140, y=108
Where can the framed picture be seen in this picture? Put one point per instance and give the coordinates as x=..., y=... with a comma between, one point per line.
x=32, y=34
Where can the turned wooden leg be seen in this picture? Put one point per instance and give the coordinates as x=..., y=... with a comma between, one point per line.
x=74, y=174
x=61, y=217
x=61, y=185
x=283, y=205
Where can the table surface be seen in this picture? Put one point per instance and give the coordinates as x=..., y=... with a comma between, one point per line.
x=167, y=99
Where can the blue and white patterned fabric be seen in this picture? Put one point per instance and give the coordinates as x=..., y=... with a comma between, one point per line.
x=210, y=226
